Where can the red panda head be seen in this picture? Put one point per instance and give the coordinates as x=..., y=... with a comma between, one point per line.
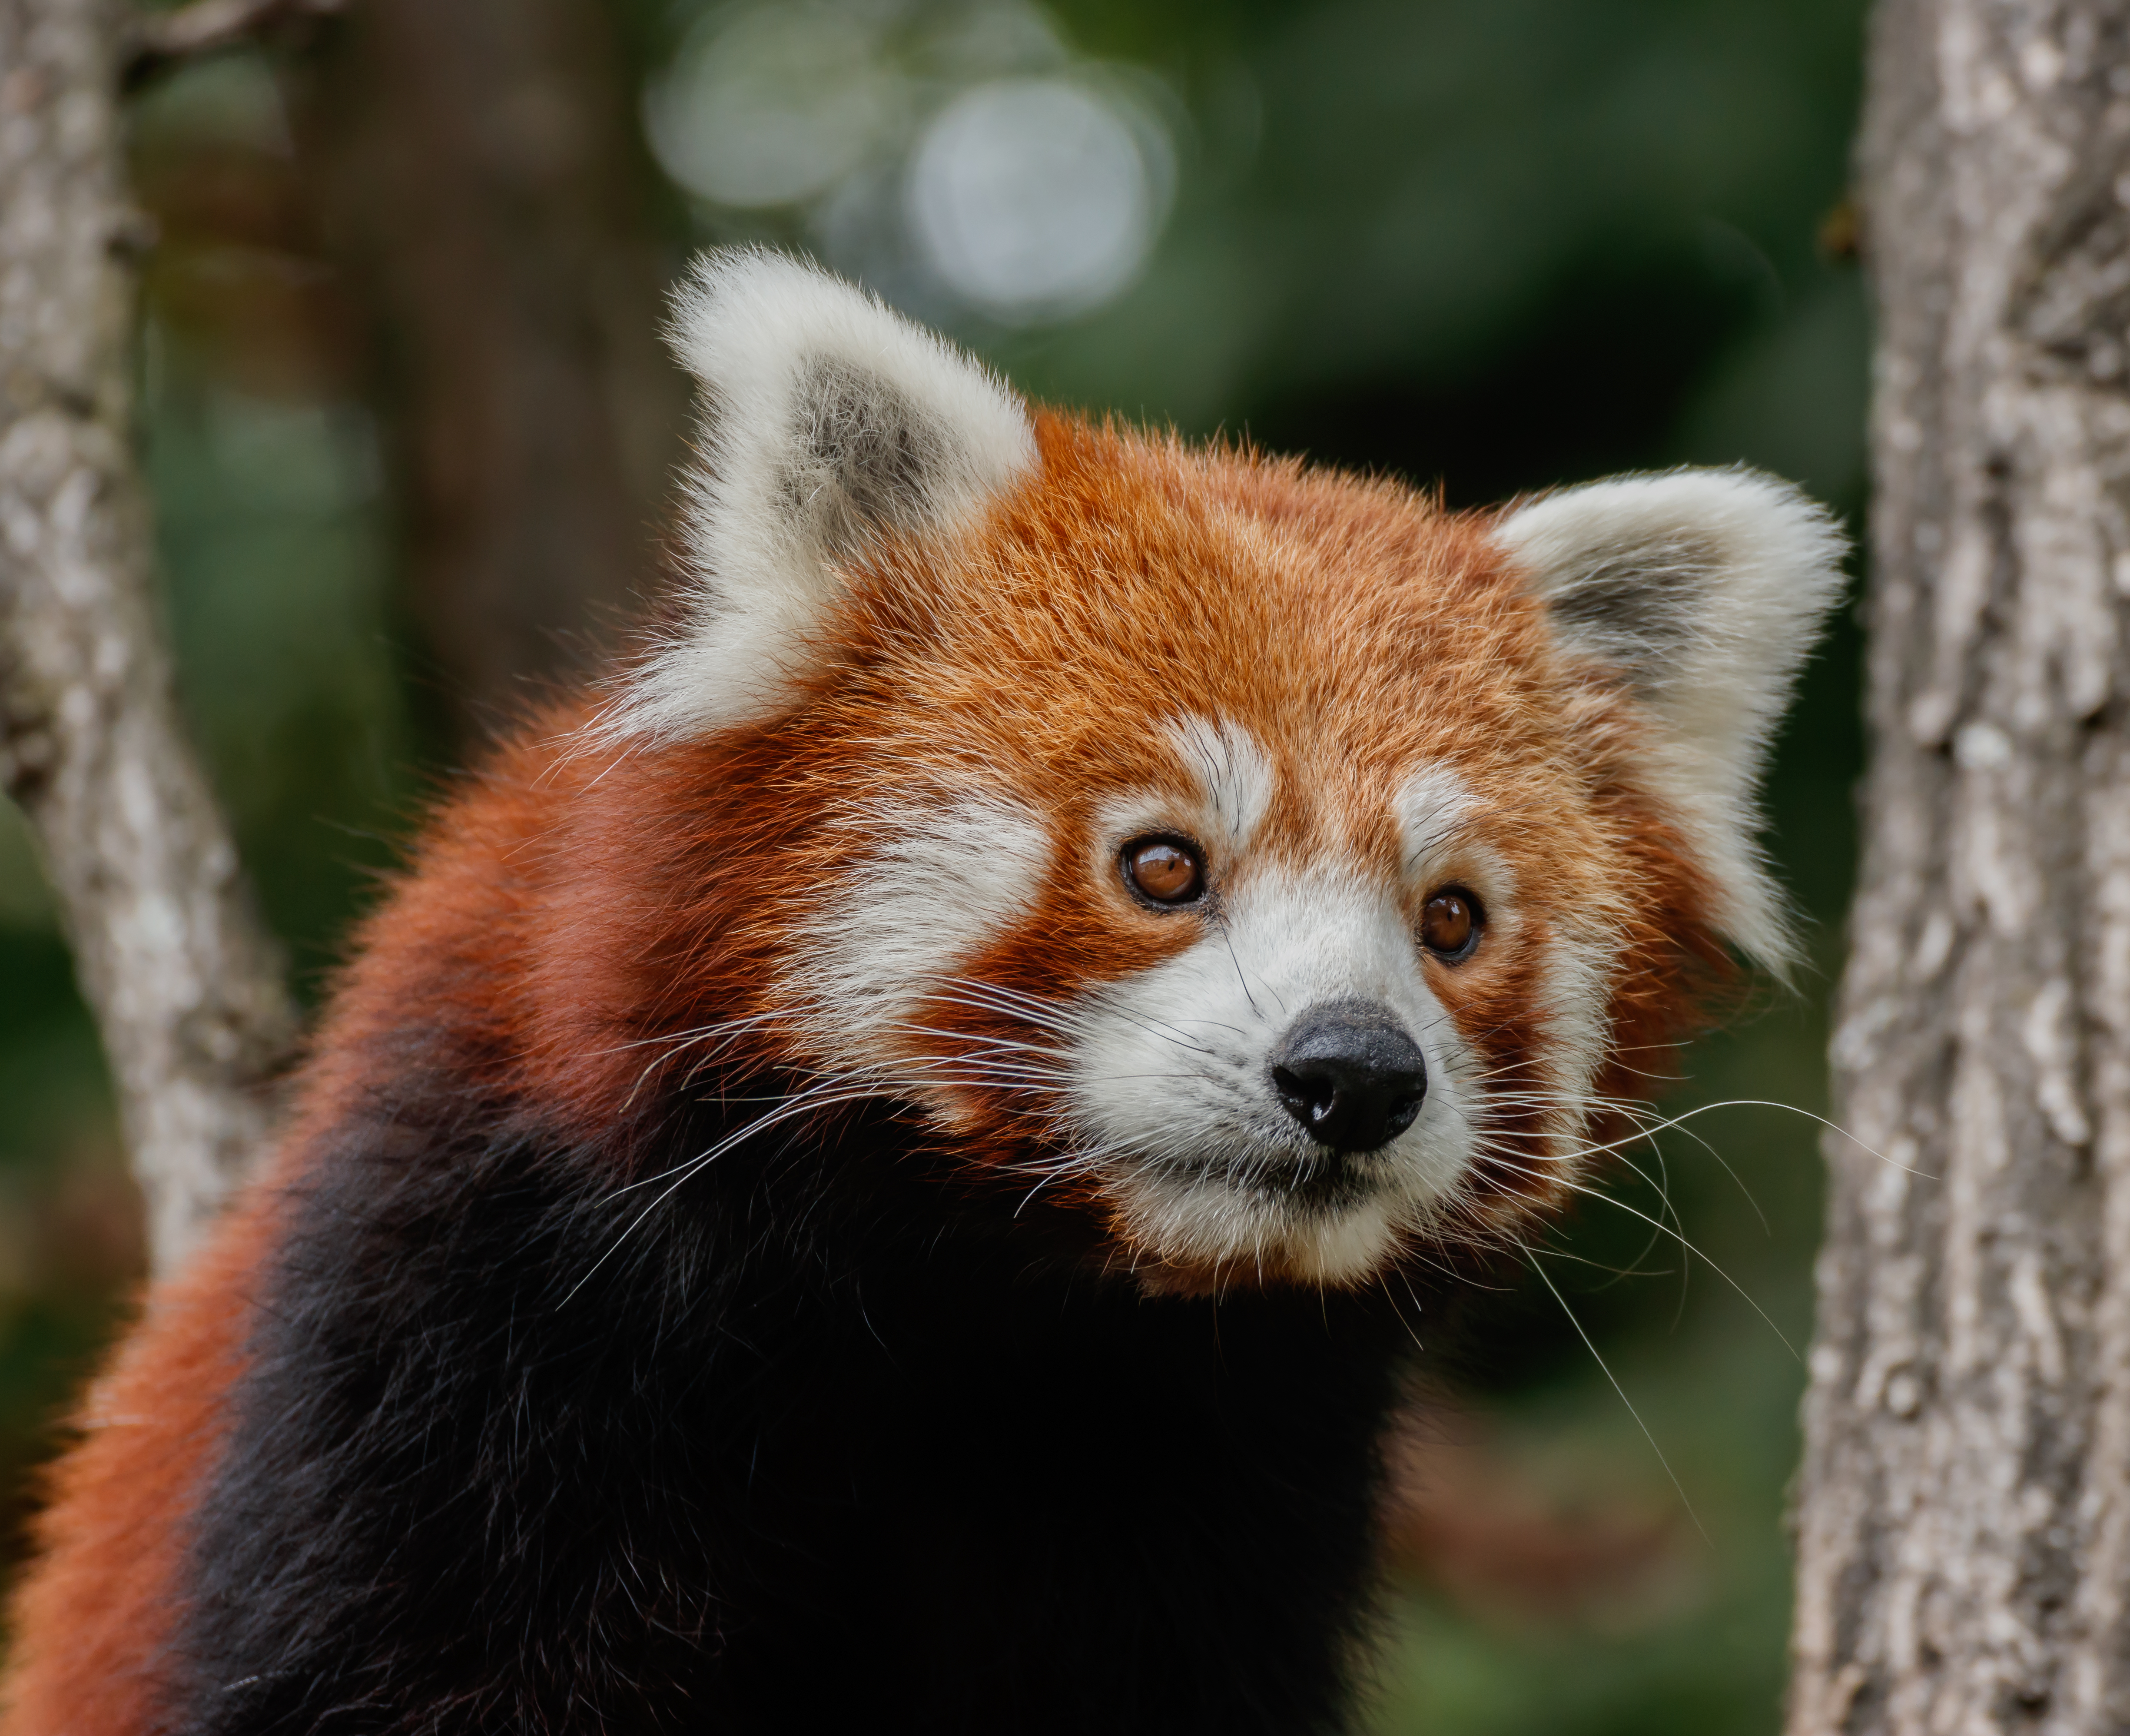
x=1265, y=863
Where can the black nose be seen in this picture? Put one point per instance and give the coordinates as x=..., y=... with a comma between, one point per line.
x=1347, y=1071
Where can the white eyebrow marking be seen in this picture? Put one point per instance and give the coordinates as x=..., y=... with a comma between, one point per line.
x=1432, y=806
x=942, y=882
x=1232, y=770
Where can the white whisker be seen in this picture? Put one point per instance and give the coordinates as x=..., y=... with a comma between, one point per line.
x=1546, y=1279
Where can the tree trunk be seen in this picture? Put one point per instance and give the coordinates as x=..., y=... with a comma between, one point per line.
x=185, y=986
x=475, y=179
x=1964, y=1508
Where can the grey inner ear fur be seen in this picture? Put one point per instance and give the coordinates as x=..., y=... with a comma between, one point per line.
x=865, y=452
x=1638, y=608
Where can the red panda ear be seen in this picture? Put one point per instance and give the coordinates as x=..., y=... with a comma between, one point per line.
x=1700, y=591
x=827, y=420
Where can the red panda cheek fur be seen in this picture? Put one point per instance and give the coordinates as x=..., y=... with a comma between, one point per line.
x=689, y=1294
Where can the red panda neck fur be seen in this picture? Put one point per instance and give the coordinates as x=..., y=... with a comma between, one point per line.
x=782, y=1228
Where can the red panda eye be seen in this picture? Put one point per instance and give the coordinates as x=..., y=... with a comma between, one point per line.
x=1163, y=870
x=1450, y=924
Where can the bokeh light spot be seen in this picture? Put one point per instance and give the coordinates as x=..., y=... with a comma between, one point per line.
x=774, y=105
x=1036, y=198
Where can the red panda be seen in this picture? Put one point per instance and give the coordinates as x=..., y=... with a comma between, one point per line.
x=869, y=1172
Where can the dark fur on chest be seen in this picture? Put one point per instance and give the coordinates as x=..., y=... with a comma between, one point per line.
x=816, y=1446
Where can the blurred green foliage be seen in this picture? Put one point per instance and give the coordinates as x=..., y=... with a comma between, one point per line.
x=1486, y=247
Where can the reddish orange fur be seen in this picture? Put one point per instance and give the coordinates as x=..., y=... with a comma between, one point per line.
x=91, y=1621
x=574, y=900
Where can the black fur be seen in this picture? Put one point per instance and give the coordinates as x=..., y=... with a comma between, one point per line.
x=868, y=458
x=1640, y=606
x=821, y=1446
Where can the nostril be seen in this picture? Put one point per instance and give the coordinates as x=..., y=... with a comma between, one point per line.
x=1309, y=1096
x=1350, y=1075
x=1404, y=1110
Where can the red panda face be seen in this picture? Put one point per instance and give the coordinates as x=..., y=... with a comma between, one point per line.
x=1265, y=863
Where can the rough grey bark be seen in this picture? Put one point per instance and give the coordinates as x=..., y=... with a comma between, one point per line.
x=1963, y=1509
x=186, y=987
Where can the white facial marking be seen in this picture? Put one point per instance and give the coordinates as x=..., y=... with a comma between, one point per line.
x=1160, y=1085
x=1575, y=981
x=1172, y=1087
x=1234, y=781
x=1231, y=769
x=1431, y=805
x=1434, y=807
x=941, y=883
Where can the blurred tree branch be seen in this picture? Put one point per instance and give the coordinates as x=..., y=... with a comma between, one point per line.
x=186, y=986
x=475, y=175
x=473, y=169
x=159, y=38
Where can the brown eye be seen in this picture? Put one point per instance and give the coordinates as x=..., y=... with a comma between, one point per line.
x=1164, y=871
x=1449, y=926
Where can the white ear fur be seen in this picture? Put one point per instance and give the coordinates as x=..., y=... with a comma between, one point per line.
x=1703, y=590
x=827, y=419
